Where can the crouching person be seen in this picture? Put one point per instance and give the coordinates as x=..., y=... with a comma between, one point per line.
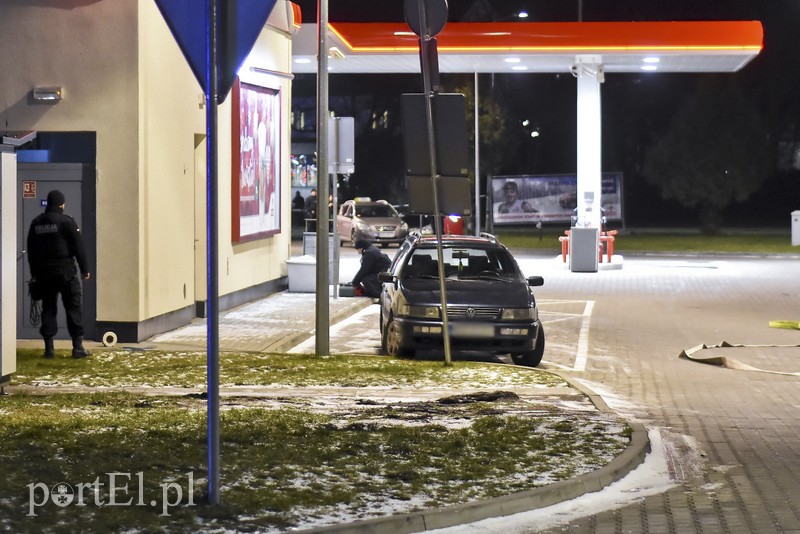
x=373, y=261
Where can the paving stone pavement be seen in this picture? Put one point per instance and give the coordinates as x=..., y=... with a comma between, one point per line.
x=273, y=324
x=741, y=473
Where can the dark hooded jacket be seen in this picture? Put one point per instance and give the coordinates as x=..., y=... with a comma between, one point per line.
x=373, y=261
x=53, y=241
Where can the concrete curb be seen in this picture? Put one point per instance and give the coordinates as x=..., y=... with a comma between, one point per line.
x=524, y=501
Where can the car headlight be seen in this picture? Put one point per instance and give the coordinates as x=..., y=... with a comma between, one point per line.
x=424, y=312
x=364, y=227
x=519, y=314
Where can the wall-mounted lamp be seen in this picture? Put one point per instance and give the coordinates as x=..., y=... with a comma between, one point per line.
x=51, y=94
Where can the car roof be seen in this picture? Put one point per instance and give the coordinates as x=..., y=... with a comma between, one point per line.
x=483, y=241
x=365, y=200
x=366, y=203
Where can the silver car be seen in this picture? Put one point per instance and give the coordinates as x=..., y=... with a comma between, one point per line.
x=375, y=221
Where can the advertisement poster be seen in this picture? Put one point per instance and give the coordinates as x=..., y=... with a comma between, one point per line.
x=256, y=162
x=304, y=170
x=529, y=199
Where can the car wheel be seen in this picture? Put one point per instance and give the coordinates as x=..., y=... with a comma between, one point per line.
x=392, y=339
x=534, y=357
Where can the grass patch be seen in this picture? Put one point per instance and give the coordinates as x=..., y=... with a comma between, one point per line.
x=282, y=467
x=293, y=462
x=725, y=243
x=760, y=243
x=121, y=368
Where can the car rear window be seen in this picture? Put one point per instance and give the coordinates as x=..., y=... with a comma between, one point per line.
x=464, y=262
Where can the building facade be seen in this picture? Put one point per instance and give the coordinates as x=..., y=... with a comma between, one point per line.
x=132, y=114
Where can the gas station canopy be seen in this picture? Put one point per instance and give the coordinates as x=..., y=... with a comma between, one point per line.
x=588, y=50
x=536, y=47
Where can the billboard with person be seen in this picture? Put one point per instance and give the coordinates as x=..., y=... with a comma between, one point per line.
x=526, y=198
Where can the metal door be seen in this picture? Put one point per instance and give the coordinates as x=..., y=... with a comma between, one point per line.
x=34, y=181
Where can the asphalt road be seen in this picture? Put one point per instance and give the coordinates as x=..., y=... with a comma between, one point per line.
x=730, y=435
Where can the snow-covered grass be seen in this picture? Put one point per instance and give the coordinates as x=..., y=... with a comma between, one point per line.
x=158, y=369
x=305, y=441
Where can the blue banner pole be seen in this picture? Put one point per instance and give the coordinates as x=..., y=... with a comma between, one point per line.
x=212, y=254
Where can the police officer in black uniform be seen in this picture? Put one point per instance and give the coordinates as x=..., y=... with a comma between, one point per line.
x=54, y=245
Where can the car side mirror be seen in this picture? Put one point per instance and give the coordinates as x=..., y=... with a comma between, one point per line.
x=386, y=278
x=535, y=281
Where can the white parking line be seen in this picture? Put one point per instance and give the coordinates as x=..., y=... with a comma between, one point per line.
x=550, y=317
x=347, y=334
x=309, y=345
x=582, y=353
x=564, y=317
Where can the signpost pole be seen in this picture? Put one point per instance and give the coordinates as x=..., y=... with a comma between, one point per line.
x=214, y=52
x=212, y=95
x=323, y=298
x=477, y=161
x=427, y=55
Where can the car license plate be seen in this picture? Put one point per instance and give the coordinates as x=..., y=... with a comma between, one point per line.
x=386, y=235
x=470, y=329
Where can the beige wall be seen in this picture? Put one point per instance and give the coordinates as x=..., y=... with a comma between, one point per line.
x=8, y=263
x=125, y=78
x=172, y=115
x=88, y=49
x=171, y=102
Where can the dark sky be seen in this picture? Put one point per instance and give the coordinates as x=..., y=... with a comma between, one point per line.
x=564, y=10
x=636, y=107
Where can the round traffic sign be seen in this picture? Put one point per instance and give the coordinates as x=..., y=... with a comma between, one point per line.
x=435, y=16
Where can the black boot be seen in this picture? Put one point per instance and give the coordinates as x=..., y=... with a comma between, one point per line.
x=77, y=348
x=49, y=349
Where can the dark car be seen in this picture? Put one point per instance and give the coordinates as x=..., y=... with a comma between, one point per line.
x=490, y=304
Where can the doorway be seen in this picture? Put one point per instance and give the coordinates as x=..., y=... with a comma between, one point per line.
x=77, y=182
x=200, y=231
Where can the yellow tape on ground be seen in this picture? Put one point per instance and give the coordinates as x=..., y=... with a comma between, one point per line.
x=791, y=325
x=730, y=363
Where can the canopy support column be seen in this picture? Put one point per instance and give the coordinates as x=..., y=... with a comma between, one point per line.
x=584, y=239
x=589, y=72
